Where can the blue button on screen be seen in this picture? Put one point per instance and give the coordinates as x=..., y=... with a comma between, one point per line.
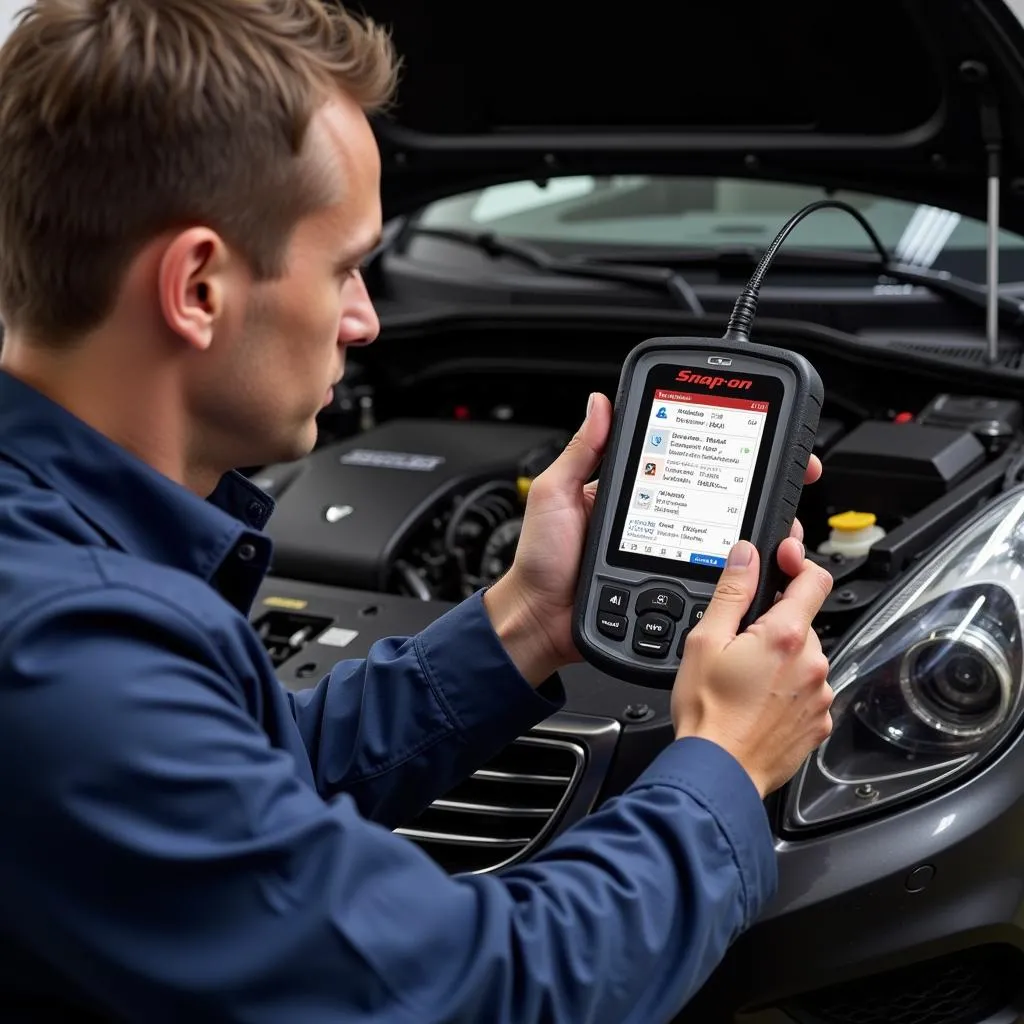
x=712, y=560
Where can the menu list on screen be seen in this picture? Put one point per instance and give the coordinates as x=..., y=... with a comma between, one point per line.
x=694, y=476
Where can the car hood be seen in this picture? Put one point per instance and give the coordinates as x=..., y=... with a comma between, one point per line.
x=904, y=98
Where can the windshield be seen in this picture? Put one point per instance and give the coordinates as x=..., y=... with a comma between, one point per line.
x=685, y=213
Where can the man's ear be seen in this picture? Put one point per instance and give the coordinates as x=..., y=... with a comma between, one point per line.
x=193, y=285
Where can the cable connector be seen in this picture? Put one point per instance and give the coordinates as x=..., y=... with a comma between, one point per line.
x=742, y=317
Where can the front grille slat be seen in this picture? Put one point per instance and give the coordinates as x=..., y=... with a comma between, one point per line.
x=540, y=780
x=504, y=810
x=458, y=807
x=461, y=840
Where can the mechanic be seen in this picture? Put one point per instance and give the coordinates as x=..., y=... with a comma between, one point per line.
x=187, y=188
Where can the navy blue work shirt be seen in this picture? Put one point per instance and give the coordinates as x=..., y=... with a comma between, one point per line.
x=185, y=840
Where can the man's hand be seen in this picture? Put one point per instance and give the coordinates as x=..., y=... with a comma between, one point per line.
x=531, y=606
x=763, y=695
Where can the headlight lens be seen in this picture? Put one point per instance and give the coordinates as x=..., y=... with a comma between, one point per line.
x=930, y=682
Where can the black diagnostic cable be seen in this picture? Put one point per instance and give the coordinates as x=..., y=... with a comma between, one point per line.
x=738, y=328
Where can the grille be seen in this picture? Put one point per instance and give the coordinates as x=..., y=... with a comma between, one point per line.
x=964, y=988
x=503, y=811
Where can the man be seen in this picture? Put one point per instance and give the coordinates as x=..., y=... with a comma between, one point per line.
x=187, y=188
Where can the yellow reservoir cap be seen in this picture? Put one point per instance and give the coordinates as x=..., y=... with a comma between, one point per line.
x=850, y=522
x=523, y=485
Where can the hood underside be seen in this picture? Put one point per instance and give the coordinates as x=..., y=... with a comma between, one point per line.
x=906, y=98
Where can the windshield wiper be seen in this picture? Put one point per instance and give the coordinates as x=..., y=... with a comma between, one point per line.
x=654, y=278
x=940, y=282
x=659, y=270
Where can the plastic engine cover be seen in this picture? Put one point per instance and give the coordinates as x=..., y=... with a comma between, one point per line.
x=345, y=511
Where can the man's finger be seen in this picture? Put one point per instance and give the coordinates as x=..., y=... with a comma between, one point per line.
x=576, y=464
x=732, y=597
x=790, y=556
x=801, y=601
x=813, y=474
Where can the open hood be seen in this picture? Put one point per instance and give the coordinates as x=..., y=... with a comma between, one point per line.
x=905, y=98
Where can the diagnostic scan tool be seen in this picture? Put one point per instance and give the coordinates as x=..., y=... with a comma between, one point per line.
x=710, y=443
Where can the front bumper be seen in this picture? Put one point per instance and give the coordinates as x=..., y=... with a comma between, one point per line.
x=934, y=893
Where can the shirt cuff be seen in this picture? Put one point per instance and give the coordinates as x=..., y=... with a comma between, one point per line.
x=476, y=680
x=717, y=781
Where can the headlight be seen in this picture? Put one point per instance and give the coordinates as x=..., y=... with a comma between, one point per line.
x=930, y=683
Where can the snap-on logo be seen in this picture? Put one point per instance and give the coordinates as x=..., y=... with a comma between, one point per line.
x=694, y=377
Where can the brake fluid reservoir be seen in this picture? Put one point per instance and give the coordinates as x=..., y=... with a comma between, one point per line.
x=853, y=534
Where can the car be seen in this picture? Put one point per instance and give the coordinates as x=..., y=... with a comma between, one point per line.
x=561, y=184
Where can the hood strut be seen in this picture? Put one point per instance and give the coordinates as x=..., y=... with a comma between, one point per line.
x=976, y=74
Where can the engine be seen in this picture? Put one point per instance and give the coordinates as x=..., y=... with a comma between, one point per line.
x=427, y=508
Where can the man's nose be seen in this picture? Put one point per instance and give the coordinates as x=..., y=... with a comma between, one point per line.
x=360, y=324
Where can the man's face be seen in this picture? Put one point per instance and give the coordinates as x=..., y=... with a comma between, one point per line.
x=261, y=392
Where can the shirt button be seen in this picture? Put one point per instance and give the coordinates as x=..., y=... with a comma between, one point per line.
x=255, y=510
x=246, y=552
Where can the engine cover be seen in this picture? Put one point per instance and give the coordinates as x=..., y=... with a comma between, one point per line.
x=345, y=512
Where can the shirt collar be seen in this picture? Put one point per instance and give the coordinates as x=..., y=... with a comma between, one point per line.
x=139, y=510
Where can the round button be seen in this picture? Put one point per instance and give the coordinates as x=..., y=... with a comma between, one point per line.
x=246, y=552
x=637, y=712
x=659, y=600
x=255, y=510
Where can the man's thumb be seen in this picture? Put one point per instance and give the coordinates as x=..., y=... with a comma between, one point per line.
x=576, y=464
x=735, y=591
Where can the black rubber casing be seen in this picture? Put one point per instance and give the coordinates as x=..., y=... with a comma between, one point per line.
x=789, y=454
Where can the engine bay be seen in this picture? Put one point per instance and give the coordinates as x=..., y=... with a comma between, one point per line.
x=418, y=484
x=414, y=497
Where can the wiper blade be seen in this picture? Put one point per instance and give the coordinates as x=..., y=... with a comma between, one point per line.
x=658, y=270
x=654, y=278
x=940, y=282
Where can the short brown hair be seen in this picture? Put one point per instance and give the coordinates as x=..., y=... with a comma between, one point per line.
x=122, y=119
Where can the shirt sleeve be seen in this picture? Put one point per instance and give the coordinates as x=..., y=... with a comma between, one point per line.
x=398, y=729
x=172, y=862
